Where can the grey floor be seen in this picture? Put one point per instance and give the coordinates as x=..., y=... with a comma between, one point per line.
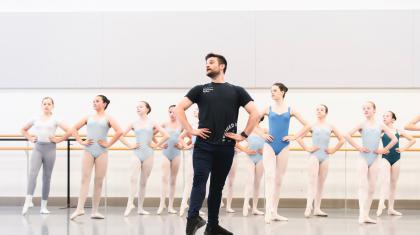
x=340, y=221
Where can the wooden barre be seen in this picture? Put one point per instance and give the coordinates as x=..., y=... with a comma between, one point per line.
x=132, y=135
x=61, y=148
x=125, y=149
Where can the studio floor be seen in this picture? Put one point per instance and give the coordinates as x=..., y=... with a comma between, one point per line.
x=340, y=221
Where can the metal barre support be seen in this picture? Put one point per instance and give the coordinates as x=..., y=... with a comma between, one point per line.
x=68, y=161
x=68, y=172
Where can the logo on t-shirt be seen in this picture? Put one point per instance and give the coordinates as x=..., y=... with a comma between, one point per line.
x=207, y=89
x=230, y=128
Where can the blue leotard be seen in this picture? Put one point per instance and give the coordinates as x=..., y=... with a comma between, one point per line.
x=370, y=139
x=144, y=137
x=278, y=128
x=255, y=143
x=321, y=138
x=171, y=152
x=97, y=130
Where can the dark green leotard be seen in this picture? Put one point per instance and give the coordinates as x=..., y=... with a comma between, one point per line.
x=393, y=156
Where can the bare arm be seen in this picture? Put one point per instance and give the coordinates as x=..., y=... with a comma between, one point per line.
x=118, y=132
x=75, y=132
x=253, y=119
x=394, y=140
x=301, y=142
x=181, y=140
x=302, y=131
x=412, y=125
x=66, y=135
x=351, y=141
x=340, y=142
x=261, y=131
x=124, y=140
x=155, y=139
x=26, y=134
x=245, y=149
x=63, y=127
x=183, y=105
x=265, y=111
x=411, y=141
x=163, y=132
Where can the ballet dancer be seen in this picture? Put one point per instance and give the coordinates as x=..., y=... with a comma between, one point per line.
x=171, y=161
x=95, y=154
x=142, y=160
x=371, y=132
x=255, y=169
x=318, y=159
x=390, y=165
x=44, y=152
x=276, y=148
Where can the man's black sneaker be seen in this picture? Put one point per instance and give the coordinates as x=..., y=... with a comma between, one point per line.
x=216, y=230
x=194, y=224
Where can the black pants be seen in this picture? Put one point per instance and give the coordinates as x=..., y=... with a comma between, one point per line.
x=214, y=159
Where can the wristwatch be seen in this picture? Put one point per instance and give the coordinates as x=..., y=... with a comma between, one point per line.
x=244, y=134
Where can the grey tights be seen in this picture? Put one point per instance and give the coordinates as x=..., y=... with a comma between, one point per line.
x=43, y=154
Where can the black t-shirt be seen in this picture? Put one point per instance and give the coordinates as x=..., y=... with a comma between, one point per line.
x=218, y=105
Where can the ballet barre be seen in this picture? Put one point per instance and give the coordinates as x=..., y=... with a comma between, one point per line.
x=20, y=137
x=69, y=148
x=15, y=137
x=126, y=149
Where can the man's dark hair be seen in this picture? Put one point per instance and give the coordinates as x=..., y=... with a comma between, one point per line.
x=221, y=59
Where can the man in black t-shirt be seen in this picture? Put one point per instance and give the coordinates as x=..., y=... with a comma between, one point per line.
x=219, y=104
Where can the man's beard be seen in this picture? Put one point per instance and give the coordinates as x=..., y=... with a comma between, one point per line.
x=213, y=74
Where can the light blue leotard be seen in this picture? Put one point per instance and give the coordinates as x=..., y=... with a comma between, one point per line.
x=171, y=151
x=255, y=143
x=321, y=138
x=144, y=137
x=278, y=125
x=97, y=130
x=371, y=137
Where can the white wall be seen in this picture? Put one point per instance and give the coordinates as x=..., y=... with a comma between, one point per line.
x=345, y=111
x=193, y=5
x=307, y=49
